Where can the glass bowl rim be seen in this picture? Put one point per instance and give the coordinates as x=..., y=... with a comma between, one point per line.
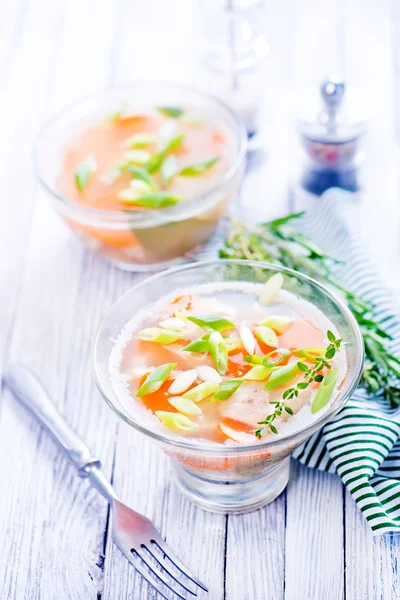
x=118, y=216
x=188, y=443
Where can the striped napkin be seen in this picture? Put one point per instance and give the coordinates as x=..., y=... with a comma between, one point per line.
x=362, y=443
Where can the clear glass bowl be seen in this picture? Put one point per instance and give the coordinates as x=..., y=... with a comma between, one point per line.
x=223, y=478
x=142, y=240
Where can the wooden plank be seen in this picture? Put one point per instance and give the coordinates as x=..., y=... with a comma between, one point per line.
x=141, y=472
x=54, y=545
x=371, y=563
x=255, y=565
x=256, y=553
x=314, y=536
x=99, y=286
x=314, y=524
x=19, y=122
x=372, y=570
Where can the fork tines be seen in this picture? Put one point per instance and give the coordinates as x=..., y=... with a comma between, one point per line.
x=156, y=571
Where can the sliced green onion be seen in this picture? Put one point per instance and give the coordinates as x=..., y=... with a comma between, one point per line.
x=137, y=189
x=282, y=353
x=271, y=289
x=158, y=158
x=266, y=335
x=258, y=373
x=112, y=174
x=278, y=323
x=84, y=172
x=167, y=129
x=171, y=111
x=141, y=187
x=325, y=390
x=266, y=361
x=156, y=199
x=310, y=353
x=219, y=352
x=141, y=140
x=156, y=161
x=247, y=337
x=207, y=373
x=211, y=322
x=127, y=196
x=253, y=359
x=137, y=157
x=183, y=382
x=185, y=406
x=201, y=391
x=154, y=381
x=140, y=173
x=192, y=118
x=282, y=375
x=158, y=335
x=169, y=169
x=174, y=142
x=233, y=344
x=226, y=390
x=200, y=345
x=175, y=420
x=198, y=168
x=173, y=323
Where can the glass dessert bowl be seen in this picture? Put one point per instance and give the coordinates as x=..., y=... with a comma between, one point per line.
x=143, y=173
x=229, y=372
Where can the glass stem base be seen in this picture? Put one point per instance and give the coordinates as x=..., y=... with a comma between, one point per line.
x=233, y=497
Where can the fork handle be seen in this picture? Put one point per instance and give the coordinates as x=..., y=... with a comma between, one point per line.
x=28, y=389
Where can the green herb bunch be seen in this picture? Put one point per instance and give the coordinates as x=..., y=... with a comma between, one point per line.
x=278, y=243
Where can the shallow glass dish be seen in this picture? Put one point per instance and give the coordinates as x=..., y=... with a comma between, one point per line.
x=218, y=477
x=140, y=240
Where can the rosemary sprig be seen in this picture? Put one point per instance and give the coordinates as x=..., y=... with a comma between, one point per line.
x=310, y=375
x=276, y=242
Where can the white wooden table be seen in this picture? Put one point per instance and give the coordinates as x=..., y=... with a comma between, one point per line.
x=311, y=543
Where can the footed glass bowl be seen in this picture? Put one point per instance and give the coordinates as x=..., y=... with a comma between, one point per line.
x=141, y=240
x=219, y=478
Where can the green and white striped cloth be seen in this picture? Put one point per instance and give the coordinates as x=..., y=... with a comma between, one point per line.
x=362, y=443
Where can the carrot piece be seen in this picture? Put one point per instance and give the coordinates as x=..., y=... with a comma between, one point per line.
x=185, y=301
x=218, y=138
x=236, y=366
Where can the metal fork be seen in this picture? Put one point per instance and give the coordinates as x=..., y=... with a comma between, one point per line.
x=135, y=536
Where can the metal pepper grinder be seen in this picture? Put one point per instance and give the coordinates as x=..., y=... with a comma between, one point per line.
x=332, y=139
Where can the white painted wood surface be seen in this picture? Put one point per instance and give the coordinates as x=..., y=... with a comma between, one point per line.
x=309, y=544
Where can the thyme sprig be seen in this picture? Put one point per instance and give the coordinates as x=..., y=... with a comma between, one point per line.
x=277, y=242
x=310, y=375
